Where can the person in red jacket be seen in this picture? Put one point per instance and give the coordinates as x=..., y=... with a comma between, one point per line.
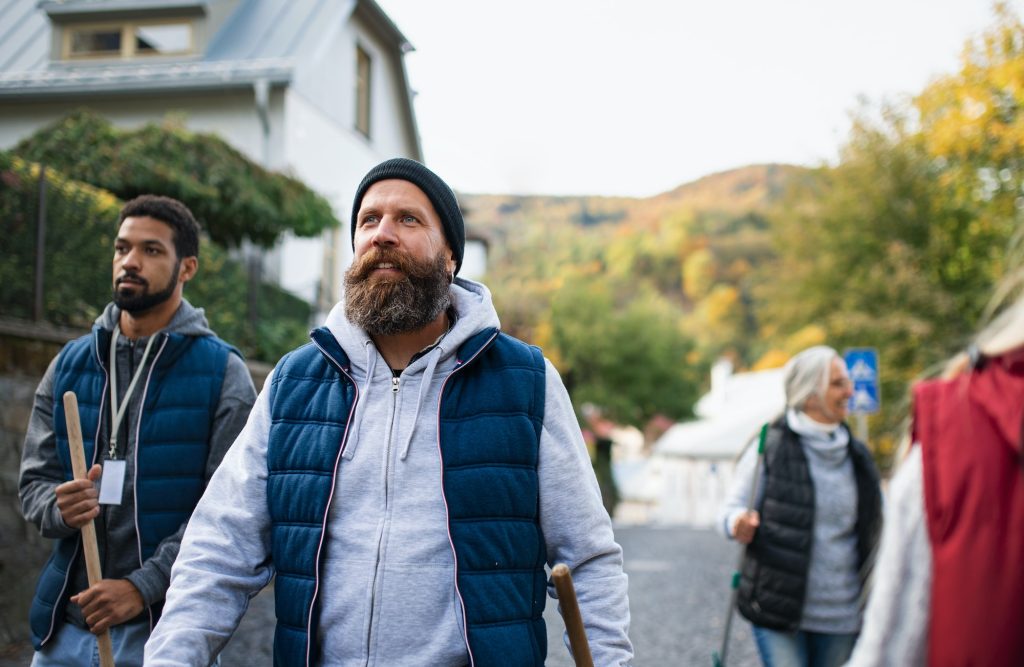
x=949, y=588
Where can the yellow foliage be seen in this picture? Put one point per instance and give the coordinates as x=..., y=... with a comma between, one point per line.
x=810, y=335
x=774, y=358
x=777, y=357
x=975, y=112
x=698, y=273
x=721, y=305
x=543, y=338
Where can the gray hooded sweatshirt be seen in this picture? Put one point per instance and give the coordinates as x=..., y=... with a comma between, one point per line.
x=41, y=470
x=387, y=579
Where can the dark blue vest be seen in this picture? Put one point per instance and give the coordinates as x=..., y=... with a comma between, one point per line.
x=492, y=412
x=181, y=394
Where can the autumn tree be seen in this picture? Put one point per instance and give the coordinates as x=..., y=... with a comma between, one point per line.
x=898, y=245
x=621, y=348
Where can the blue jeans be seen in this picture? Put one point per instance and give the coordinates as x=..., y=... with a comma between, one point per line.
x=802, y=648
x=73, y=646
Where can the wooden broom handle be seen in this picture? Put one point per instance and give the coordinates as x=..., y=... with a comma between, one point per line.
x=89, y=545
x=571, y=614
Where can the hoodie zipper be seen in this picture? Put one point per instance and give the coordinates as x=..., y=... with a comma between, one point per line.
x=395, y=386
x=125, y=430
x=459, y=365
x=330, y=498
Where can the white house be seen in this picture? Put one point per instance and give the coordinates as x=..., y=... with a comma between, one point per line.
x=690, y=470
x=314, y=88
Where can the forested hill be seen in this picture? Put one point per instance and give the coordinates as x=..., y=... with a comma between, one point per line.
x=670, y=277
x=736, y=192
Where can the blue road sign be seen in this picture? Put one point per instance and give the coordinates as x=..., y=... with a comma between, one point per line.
x=862, y=364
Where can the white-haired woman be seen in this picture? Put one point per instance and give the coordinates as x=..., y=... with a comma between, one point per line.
x=811, y=537
x=949, y=586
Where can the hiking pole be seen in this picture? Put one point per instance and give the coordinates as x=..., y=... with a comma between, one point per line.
x=718, y=658
x=89, y=546
x=571, y=614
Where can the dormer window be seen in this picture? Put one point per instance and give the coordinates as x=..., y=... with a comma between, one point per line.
x=131, y=39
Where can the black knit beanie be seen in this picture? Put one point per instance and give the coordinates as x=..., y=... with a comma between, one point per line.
x=440, y=195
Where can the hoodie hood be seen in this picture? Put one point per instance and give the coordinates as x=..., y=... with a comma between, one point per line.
x=188, y=320
x=996, y=390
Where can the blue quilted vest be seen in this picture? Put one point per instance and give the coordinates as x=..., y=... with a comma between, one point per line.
x=181, y=393
x=492, y=411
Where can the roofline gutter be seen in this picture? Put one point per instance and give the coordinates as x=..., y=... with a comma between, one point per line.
x=116, y=88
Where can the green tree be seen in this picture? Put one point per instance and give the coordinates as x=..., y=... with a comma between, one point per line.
x=622, y=350
x=232, y=197
x=855, y=257
x=899, y=245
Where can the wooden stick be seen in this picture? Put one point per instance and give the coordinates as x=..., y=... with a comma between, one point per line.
x=89, y=545
x=718, y=659
x=571, y=615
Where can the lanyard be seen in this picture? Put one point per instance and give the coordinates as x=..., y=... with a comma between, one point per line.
x=117, y=413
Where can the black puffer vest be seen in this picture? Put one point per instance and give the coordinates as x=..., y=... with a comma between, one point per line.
x=773, y=578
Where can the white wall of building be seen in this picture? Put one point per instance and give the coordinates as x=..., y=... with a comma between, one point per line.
x=693, y=491
x=229, y=114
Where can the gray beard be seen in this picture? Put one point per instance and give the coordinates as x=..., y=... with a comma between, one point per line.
x=389, y=307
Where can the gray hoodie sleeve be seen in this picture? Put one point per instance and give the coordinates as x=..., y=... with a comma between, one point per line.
x=237, y=396
x=41, y=470
x=225, y=553
x=578, y=531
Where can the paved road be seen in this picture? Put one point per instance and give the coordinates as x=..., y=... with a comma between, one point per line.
x=678, y=589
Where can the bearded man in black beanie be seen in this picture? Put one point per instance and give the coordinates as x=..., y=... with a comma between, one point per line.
x=407, y=476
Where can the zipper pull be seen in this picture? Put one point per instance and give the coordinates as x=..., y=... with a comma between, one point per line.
x=394, y=384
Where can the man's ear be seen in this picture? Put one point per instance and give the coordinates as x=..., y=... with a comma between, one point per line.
x=451, y=266
x=189, y=266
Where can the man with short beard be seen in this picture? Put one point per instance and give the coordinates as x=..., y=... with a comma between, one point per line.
x=161, y=399
x=407, y=477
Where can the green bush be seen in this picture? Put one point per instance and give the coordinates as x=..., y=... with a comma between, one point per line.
x=81, y=225
x=80, y=235
x=231, y=196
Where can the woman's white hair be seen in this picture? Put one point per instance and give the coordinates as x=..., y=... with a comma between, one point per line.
x=807, y=374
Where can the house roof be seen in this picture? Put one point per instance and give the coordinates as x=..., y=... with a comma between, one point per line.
x=259, y=40
x=731, y=414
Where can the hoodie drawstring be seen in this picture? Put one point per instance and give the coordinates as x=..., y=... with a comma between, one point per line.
x=364, y=398
x=428, y=375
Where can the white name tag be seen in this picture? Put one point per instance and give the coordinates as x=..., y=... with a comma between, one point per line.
x=112, y=483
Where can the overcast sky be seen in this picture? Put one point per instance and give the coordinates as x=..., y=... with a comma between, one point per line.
x=615, y=97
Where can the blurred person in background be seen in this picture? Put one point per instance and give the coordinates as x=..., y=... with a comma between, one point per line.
x=814, y=524
x=949, y=586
